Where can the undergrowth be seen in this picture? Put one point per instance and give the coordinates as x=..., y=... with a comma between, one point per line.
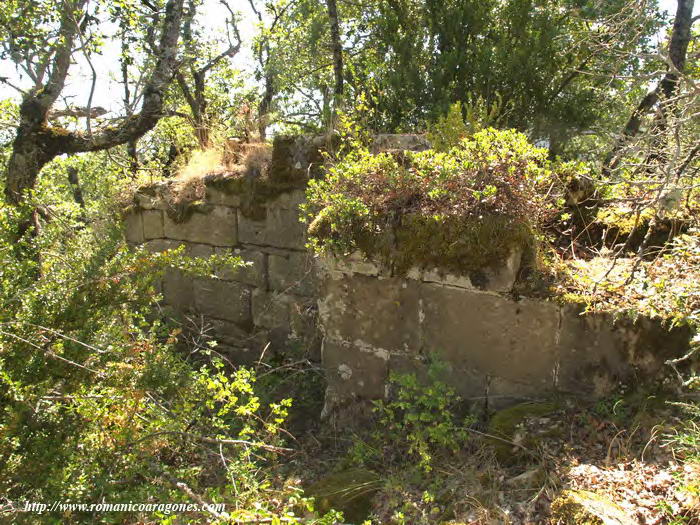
x=98, y=403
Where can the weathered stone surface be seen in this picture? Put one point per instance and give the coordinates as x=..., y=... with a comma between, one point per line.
x=494, y=348
x=370, y=311
x=501, y=277
x=290, y=200
x=506, y=423
x=304, y=330
x=598, y=354
x=160, y=245
x=303, y=317
x=497, y=336
x=574, y=507
x=271, y=309
x=251, y=231
x=352, y=264
x=200, y=251
x=149, y=201
x=133, y=227
x=293, y=273
x=153, y=224
x=223, y=194
x=239, y=345
x=441, y=278
x=228, y=333
x=225, y=300
x=353, y=373
x=214, y=225
x=296, y=159
x=280, y=228
x=253, y=273
x=239, y=355
x=178, y=291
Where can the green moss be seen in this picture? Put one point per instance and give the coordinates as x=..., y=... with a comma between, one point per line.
x=455, y=245
x=624, y=221
x=505, y=423
x=349, y=492
x=254, y=192
x=459, y=211
x=581, y=507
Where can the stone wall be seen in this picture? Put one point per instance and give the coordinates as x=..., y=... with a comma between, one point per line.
x=270, y=301
x=496, y=350
x=493, y=349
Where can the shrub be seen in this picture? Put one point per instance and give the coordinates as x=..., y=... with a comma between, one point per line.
x=463, y=121
x=420, y=420
x=449, y=129
x=99, y=404
x=459, y=210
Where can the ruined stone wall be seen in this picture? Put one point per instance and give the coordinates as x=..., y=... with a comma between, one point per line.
x=272, y=300
x=493, y=349
x=497, y=350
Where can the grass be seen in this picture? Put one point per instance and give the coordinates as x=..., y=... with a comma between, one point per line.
x=202, y=162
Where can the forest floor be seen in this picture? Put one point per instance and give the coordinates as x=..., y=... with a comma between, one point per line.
x=627, y=459
x=602, y=463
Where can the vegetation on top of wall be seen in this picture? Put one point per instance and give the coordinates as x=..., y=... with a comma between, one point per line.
x=459, y=210
x=246, y=171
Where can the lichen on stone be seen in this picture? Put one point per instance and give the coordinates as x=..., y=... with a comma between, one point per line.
x=350, y=491
x=504, y=425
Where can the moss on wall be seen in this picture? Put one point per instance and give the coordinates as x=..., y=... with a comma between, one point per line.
x=456, y=245
x=459, y=211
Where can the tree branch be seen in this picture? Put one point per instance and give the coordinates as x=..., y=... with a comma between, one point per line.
x=154, y=93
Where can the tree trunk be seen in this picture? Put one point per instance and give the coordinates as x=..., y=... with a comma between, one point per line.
x=202, y=122
x=677, y=50
x=265, y=106
x=337, y=49
x=37, y=143
x=30, y=153
x=74, y=180
x=132, y=151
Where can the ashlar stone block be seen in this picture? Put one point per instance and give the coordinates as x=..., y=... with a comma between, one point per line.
x=271, y=309
x=229, y=301
x=215, y=225
x=133, y=227
x=293, y=273
x=280, y=228
x=253, y=273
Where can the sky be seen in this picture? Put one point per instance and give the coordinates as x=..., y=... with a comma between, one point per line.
x=108, y=92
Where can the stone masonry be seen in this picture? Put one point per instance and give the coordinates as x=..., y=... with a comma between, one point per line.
x=268, y=305
x=363, y=323
x=497, y=350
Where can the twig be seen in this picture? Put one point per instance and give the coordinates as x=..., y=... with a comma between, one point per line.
x=51, y=354
x=215, y=441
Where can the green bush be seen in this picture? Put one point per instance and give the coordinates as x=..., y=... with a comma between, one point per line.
x=97, y=401
x=459, y=210
x=461, y=122
x=417, y=421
